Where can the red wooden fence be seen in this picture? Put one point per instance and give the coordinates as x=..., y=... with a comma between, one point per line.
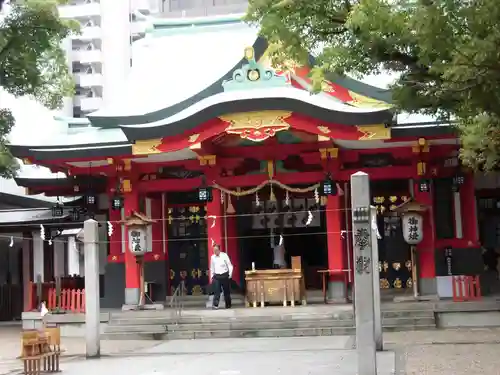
x=466, y=288
x=71, y=299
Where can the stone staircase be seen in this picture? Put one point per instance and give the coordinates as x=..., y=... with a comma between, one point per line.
x=160, y=325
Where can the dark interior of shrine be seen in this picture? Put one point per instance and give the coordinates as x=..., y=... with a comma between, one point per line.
x=260, y=228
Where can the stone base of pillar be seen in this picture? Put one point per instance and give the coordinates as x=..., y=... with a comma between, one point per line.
x=336, y=292
x=132, y=296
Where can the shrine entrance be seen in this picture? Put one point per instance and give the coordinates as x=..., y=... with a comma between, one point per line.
x=188, y=248
x=395, y=264
x=266, y=223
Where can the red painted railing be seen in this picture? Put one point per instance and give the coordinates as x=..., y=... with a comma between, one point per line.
x=466, y=288
x=71, y=300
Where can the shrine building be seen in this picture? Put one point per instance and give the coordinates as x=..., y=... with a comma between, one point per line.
x=219, y=147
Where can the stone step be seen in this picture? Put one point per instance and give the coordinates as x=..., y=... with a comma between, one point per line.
x=240, y=333
x=167, y=318
x=150, y=328
x=407, y=313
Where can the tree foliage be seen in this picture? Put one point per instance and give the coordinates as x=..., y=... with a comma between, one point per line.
x=32, y=61
x=446, y=54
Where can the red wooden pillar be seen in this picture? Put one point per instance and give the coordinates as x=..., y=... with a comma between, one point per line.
x=215, y=224
x=132, y=277
x=336, y=255
x=469, y=211
x=426, y=249
x=232, y=247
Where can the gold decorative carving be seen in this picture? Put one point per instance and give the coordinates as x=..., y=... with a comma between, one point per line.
x=126, y=186
x=256, y=126
x=378, y=200
x=146, y=147
x=397, y=283
x=329, y=153
x=386, y=266
x=127, y=164
x=207, y=159
x=379, y=266
x=421, y=168
x=196, y=291
x=172, y=274
x=114, y=258
x=156, y=257
x=322, y=138
x=408, y=265
x=193, y=138
x=196, y=146
x=409, y=283
x=183, y=274
x=396, y=266
x=110, y=161
x=384, y=284
x=374, y=132
x=324, y=129
x=421, y=146
x=27, y=161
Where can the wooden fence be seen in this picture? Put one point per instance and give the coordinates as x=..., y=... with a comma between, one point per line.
x=71, y=298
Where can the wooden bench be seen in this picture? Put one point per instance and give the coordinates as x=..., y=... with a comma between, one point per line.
x=41, y=351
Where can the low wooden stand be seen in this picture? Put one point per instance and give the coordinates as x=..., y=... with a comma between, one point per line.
x=41, y=347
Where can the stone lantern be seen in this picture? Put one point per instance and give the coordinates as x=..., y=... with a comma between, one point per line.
x=137, y=228
x=412, y=222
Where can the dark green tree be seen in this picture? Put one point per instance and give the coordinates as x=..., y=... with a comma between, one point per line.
x=32, y=61
x=445, y=52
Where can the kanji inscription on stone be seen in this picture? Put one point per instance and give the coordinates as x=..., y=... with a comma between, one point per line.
x=363, y=264
x=362, y=238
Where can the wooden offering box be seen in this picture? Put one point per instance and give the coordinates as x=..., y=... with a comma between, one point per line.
x=274, y=286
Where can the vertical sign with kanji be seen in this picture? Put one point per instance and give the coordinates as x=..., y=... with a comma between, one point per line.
x=363, y=275
x=412, y=228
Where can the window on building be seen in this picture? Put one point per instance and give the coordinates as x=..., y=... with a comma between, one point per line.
x=444, y=220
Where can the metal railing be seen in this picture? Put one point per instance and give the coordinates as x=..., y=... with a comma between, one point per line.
x=177, y=301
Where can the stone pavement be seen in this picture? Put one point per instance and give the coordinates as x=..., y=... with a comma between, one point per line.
x=444, y=352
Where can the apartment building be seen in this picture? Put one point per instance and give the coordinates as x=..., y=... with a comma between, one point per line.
x=95, y=48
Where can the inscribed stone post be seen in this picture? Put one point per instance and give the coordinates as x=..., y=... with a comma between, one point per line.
x=363, y=275
x=92, y=305
x=377, y=314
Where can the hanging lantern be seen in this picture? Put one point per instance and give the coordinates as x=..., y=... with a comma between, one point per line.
x=137, y=227
x=57, y=210
x=328, y=187
x=117, y=203
x=412, y=221
x=412, y=228
x=205, y=194
x=424, y=186
x=91, y=200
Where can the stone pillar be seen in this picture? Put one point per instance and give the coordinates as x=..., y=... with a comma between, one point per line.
x=92, y=299
x=38, y=256
x=59, y=258
x=215, y=224
x=469, y=211
x=232, y=247
x=132, y=274
x=363, y=280
x=27, y=276
x=336, y=252
x=73, y=257
x=426, y=263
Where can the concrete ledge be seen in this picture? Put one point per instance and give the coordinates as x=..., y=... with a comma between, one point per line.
x=468, y=319
x=72, y=325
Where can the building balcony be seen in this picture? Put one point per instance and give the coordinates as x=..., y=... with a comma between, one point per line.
x=88, y=33
x=84, y=56
x=87, y=104
x=81, y=10
x=88, y=79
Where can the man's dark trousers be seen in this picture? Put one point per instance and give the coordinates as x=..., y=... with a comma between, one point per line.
x=223, y=282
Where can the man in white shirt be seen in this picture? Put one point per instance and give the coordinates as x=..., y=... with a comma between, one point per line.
x=221, y=271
